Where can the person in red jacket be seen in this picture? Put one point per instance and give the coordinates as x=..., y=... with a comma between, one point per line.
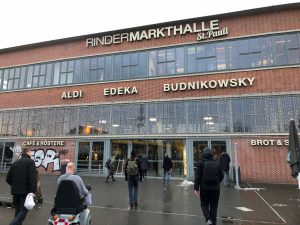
x=22, y=179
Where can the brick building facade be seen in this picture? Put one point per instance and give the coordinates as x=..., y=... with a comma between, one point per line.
x=157, y=89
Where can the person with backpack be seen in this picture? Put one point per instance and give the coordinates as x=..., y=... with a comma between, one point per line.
x=208, y=176
x=133, y=174
x=111, y=167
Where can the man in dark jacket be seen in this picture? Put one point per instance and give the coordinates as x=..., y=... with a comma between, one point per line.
x=133, y=173
x=208, y=177
x=22, y=179
x=167, y=165
x=225, y=160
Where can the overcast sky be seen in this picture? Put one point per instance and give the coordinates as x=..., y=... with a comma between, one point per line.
x=31, y=21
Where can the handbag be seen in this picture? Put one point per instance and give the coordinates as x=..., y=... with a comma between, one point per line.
x=29, y=202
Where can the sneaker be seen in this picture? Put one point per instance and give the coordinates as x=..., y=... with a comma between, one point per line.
x=135, y=205
x=131, y=207
x=209, y=222
x=114, y=180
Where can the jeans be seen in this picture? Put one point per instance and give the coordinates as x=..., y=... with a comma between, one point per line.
x=225, y=181
x=20, y=210
x=133, y=187
x=166, y=177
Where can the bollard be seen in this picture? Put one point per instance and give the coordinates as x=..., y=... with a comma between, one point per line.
x=237, y=186
x=298, y=178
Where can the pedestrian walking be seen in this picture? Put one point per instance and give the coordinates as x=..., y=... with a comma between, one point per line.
x=208, y=176
x=133, y=174
x=144, y=164
x=111, y=166
x=225, y=161
x=22, y=179
x=168, y=169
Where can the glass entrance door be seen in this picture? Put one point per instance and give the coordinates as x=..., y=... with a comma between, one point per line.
x=90, y=157
x=6, y=155
x=198, y=147
x=97, y=157
x=217, y=146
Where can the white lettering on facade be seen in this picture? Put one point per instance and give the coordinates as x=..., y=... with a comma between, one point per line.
x=71, y=94
x=43, y=143
x=120, y=91
x=269, y=142
x=203, y=29
x=212, y=84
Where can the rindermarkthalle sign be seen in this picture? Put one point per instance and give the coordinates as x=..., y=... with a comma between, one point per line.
x=203, y=29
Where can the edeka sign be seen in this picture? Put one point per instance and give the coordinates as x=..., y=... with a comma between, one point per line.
x=203, y=29
x=209, y=84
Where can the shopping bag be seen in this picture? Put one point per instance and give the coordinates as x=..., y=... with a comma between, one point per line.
x=29, y=202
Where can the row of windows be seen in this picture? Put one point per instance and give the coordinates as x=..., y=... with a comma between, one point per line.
x=236, y=115
x=254, y=52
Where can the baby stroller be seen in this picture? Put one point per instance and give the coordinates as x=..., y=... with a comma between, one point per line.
x=68, y=206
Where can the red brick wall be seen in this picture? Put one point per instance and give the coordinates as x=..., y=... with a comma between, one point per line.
x=266, y=81
x=239, y=25
x=267, y=164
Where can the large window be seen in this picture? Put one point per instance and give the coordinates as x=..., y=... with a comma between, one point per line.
x=242, y=53
x=209, y=116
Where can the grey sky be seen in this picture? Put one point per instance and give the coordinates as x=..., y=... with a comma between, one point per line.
x=31, y=21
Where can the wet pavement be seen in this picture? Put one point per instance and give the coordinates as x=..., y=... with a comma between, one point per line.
x=173, y=205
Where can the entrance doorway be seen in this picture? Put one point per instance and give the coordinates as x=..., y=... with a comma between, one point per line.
x=90, y=157
x=217, y=146
x=153, y=151
x=6, y=155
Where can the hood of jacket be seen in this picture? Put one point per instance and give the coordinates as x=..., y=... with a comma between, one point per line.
x=207, y=154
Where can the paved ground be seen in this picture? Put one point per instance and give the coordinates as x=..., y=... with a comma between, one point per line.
x=175, y=205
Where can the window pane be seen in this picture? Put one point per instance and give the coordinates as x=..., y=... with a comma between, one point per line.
x=117, y=67
x=142, y=64
x=42, y=81
x=180, y=60
x=108, y=68
x=233, y=55
x=29, y=76
x=77, y=73
x=171, y=68
x=134, y=59
x=64, y=67
x=22, y=77
x=48, y=75
x=221, y=56
x=86, y=70
x=210, y=50
x=35, y=81
x=161, y=55
x=280, y=49
x=267, y=51
x=56, y=74
x=171, y=54
x=254, y=45
x=191, y=60
x=70, y=78
x=126, y=60
x=152, y=63
x=201, y=51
